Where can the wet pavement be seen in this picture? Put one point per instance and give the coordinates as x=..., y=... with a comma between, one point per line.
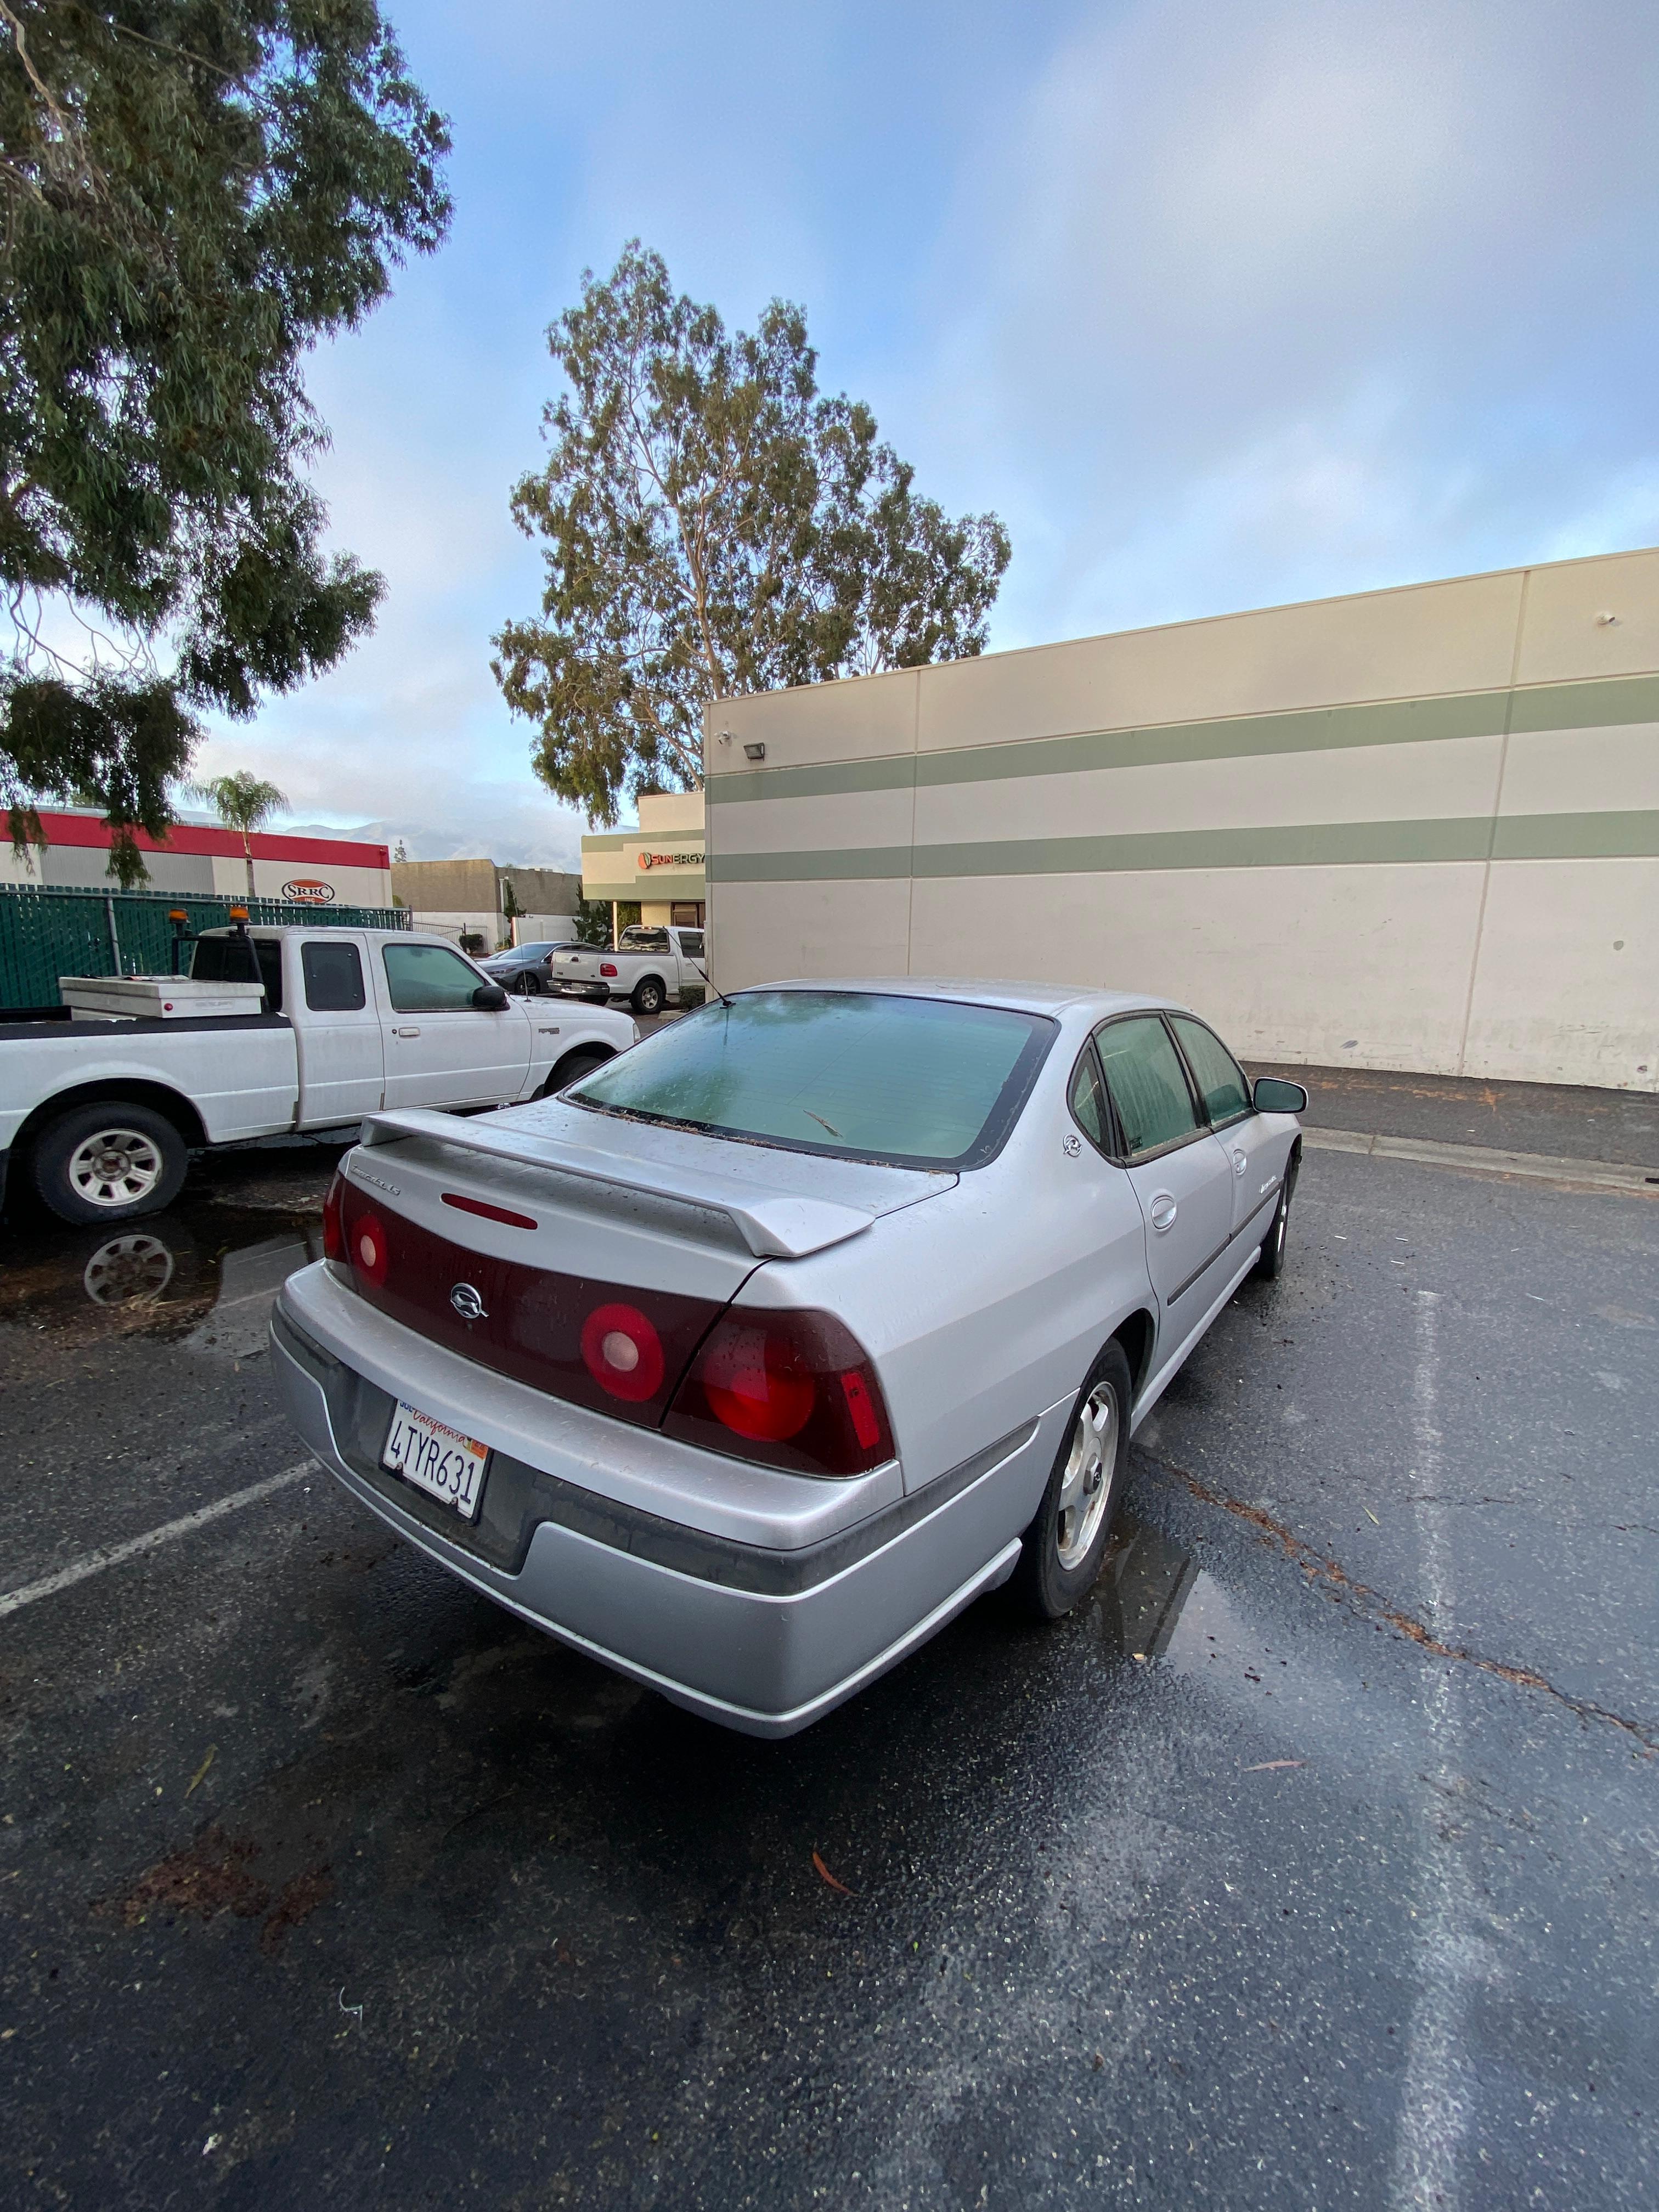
x=1560, y=1120
x=1311, y=1864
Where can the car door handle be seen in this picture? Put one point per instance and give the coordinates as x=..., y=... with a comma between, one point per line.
x=1239, y=1163
x=1162, y=1211
x=407, y=1033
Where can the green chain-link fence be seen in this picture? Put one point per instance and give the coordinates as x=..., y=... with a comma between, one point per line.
x=45, y=934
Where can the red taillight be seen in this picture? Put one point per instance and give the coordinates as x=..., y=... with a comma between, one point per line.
x=622, y=1352
x=792, y=1389
x=607, y=967
x=333, y=1233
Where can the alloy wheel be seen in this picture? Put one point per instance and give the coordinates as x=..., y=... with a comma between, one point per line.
x=1086, y=1486
x=115, y=1168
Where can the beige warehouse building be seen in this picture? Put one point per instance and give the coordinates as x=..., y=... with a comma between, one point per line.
x=1412, y=828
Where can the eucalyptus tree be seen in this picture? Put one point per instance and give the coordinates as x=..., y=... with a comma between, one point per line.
x=712, y=524
x=192, y=194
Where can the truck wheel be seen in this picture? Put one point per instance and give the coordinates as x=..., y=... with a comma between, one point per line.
x=110, y=1161
x=571, y=1068
x=648, y=995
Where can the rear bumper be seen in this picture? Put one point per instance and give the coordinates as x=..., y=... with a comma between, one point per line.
x=597, y=993
x=762, y=1637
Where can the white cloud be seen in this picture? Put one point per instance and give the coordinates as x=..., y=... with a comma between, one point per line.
x=1261, y=302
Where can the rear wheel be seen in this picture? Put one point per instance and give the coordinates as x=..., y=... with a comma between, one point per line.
x=527, y=983
x=1059, y=1561
x=109, y=1161
x=649, y=996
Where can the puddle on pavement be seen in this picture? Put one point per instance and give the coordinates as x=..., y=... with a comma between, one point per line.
x=202, y=1278
x=1154, y=1602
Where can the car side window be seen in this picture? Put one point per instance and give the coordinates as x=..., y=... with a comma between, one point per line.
x=1147, y=1083
x=691, y=942
x=1220, y=1079
x=334, y=977
x=427, y=979
x=1087, y=1100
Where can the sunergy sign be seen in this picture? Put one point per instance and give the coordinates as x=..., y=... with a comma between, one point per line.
x=648, y=861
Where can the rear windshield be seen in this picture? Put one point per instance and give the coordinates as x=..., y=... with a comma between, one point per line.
x=225, y=960
x=859, y=1074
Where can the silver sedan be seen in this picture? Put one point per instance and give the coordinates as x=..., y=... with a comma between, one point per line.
x=750, y=1360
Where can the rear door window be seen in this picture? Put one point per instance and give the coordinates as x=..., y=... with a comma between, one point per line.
x=1087, y=1099
x=333, y=970
x=1147, y=1083
x=1220, y=1079
x=429, y=979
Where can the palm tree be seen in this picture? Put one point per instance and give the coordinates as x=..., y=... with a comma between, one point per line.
x=243, y=802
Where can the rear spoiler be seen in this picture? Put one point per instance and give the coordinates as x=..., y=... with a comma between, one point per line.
x=774, y=1225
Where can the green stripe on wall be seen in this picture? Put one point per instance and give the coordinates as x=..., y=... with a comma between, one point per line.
x=1605, y=701
x=1612, y=836
x=1323, y=844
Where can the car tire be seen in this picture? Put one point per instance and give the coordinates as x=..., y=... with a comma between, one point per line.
x=649, y=996
x=110, y=1161
x=571, y=1068
x=530, y=983
x=1061, y=1551
x=1270, y=1266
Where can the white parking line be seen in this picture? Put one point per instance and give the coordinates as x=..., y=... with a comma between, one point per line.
x=113, y=1555
x=1437, y=2102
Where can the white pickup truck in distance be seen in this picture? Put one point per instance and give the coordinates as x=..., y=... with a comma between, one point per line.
x=648, y=966
x=100, y=1115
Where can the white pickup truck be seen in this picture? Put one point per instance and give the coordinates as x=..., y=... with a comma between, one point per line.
x=648, y=966
x=101, y=1115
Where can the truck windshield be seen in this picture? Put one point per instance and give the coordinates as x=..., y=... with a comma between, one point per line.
x=862, y=1075
x=225, y=960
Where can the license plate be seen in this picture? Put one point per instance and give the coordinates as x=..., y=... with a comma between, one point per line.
x=437, y=1459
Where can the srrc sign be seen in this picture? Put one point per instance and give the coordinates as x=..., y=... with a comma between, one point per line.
x=308, y=890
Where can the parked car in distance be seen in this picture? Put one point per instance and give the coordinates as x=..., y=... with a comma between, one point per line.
x=101, y=1114
x=649, y=967
x=524, y=968
x=751, y=1359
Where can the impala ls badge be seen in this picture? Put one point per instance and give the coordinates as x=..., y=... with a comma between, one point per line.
x=467, y=1302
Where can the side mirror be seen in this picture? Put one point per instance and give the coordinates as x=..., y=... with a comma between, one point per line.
x=1273, y=1095
x=490, y=998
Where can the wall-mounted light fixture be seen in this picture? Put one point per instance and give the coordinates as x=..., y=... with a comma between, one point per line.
x=754, y=752
x=1606, y=621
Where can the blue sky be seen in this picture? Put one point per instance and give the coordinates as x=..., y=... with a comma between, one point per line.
x=1217, y=305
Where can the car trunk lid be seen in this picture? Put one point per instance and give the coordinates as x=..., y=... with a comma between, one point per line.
x=550, y=1243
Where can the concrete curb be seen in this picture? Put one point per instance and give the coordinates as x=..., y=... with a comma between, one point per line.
x=1477, y=1159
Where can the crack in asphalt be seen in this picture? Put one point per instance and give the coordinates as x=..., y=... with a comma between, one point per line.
x=1318, y=1566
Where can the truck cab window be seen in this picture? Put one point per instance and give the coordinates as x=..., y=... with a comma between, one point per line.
x=334, y=976
x=691, y=943
x=225, y=960
x=429, y=979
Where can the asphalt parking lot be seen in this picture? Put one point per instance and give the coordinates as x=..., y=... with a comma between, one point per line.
x=1311, y=1863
